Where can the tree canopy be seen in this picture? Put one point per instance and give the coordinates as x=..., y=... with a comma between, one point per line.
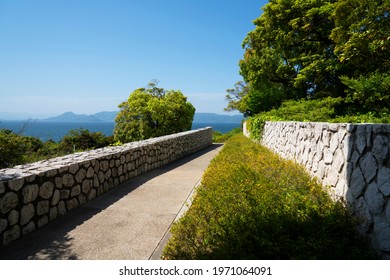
x=152, y=112
x=313, y=49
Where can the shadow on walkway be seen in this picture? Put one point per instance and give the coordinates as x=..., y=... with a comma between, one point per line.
x=52, y=241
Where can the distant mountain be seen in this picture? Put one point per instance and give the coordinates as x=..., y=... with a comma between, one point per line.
x=106, y=116
x=110, y=117
x=216, y=118
x=72, y=117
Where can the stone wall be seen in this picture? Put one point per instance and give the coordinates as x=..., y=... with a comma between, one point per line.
x=354, y=160
x=34, y=194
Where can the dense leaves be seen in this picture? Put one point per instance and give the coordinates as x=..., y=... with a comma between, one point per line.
x=253, y=205
x=151, y=112
x=16, y=149
x=313, y=49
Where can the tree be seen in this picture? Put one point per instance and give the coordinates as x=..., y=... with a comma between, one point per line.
x=313, y=49
x=152, y=112
x=290, y=51
x=83, y=139
x=362, y=35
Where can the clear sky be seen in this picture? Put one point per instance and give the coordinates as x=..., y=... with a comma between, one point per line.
x=87, y=56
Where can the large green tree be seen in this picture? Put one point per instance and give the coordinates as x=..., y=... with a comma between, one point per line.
x=151, y=112
x=290, y=54
x=313, y=49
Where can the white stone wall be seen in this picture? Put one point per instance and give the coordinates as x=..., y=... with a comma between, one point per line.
x=354, y=160
x=32, y=195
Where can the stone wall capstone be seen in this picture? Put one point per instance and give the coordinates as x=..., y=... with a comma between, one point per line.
x=34, y=194
x=353, y=159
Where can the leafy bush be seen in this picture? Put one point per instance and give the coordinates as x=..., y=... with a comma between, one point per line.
x=12, y=148
x=83, y=139
x=16, y=149
x=254, y=205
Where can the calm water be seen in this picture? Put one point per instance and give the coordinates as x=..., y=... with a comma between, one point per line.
x=57, y=130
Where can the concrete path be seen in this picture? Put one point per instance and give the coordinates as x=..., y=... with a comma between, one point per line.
x=129, y=222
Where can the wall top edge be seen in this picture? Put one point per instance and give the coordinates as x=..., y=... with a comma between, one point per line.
x=330, y=123
x=40, y=167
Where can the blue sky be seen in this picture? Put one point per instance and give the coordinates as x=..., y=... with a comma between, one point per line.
x=88, y=56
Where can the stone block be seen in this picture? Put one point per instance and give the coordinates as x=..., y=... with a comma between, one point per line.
x=90, y=172
x=374, y=199
x=380, y=148
x=361, y=138
x=2, y=188
x=68, y=180
x=29, y=228
x=91, y=195
x=87, y=185
x=357, y=183
x=53, y=214
x=58, y=182
x=46, y=190
x=382, y=231
x=368, y=166
x=71, y=204
x=64, y=194
x=362, y=211
x=3, y=225
x=82, y=199
x=13, y=217
x=334, y=143
x=75, y=191
x=43, y=221
x=387, y=211
x=104, y=165
x=26, y=214
x=61, y=208
x=338, y=161
x=56, y=197
x=8, y=202
x=11, y=235
x=16, y=184
x=80, y=175
x=30, y=193
x=96, y=182
x=73, y=168
x=384, y=180
x=43, y=207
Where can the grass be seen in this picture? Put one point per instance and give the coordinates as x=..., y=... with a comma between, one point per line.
x=254, y=205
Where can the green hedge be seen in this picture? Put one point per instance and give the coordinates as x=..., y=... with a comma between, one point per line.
x=254, y=205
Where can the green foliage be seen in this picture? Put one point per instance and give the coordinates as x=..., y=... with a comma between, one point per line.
x=371, y=93
x=16, y=149
x=12, y=148
x=254, y=205
x=334, y=110
x=218, y=137
x=361, y=35
x=290, y=51
x=305, y=49
x=82, y=139
x=151, y=112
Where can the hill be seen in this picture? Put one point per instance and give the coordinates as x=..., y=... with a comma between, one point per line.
x=110, y=117
x=72, y=117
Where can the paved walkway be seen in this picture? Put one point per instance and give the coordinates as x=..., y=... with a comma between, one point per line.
x=131, y=221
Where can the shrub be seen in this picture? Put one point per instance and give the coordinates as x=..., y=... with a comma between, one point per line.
x=83, y=139
x=254, y=205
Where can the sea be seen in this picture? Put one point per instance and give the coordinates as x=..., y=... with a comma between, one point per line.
x=57, y=130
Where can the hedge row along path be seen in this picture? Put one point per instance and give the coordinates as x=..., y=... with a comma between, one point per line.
x=132, y=221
